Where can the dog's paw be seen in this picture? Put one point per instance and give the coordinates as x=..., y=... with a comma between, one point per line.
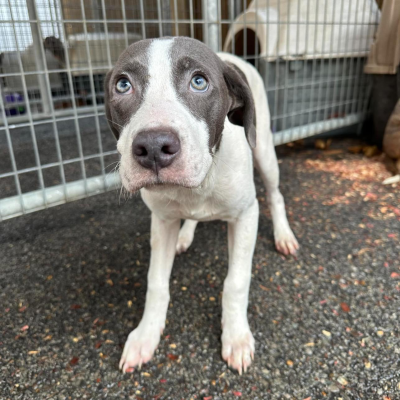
x=237, y=348
x=139, y=348
x=184, y=242
x=392, y=179
x=286, y=243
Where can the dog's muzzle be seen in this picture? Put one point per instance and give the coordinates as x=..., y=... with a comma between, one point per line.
x=155, y=150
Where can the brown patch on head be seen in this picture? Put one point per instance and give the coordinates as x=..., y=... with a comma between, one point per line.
x=132, y=65
x=228, y=93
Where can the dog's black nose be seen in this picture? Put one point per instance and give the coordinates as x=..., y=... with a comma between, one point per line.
x=155, y=150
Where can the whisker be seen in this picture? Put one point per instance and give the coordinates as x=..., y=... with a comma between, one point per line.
x=114, y=122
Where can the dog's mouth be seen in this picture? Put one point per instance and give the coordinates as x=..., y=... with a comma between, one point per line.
x=156, y=182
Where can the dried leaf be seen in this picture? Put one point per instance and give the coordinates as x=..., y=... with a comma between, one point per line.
x=74, y=361
x=345, y=307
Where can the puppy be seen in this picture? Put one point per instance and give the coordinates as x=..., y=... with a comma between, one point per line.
x=186, y=120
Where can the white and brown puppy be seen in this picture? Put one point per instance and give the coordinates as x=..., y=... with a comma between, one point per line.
x=184, y=118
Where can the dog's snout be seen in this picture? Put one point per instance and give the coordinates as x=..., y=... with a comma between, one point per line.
x=155, y=150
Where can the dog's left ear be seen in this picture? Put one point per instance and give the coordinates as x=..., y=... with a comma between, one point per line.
x=241, y=111
x=107, y=105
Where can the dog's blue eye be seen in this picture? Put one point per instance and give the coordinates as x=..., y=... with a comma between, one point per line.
x=123, y=85
x=199, y=83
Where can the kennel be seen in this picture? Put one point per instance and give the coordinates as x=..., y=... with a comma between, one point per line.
x=55, y=145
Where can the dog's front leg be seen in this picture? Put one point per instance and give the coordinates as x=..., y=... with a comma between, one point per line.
x=142, y=342
x=237, y=340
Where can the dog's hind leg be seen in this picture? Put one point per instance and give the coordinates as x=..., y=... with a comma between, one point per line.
x=267, y=165
x=186, y=235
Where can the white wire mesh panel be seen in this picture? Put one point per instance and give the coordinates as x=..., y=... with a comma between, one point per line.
x=55, y=145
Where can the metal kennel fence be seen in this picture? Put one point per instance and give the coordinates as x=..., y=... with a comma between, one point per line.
x=55, y=145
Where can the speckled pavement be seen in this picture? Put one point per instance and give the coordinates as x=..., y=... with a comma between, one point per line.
x=73, y=281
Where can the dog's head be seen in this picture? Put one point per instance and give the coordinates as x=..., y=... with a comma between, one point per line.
x=166, y=102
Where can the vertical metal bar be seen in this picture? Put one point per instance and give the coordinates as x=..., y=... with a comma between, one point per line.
x=277, y=64
x=232, y=7
x=28, y=106
x=105, y=27
x=256, y=56
x=176, y=18
x=166, y=15
x=358, y=67
x=142, y=19
x=296, y=80
x=11, y=151
x=287, y=74
x=314, y=62
x=92, y=87
x=96, y=15
x=75, y=112
x=364, y=87
x=219, y=24
x=238, y=7
x=210, y=15
x=72, y=92
x=305, y=85
x=191, y=18
x=46, y=100
x=51, y=16
x=54, y=123
x=336, y=85
x=266, y=63
x=322, y=79
x=346, y=78
x=123, y=11
x=244, y=31
x=160, y=25
x=350, y=88
x=57, y=12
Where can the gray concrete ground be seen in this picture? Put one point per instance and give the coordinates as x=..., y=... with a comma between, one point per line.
x=73, y=282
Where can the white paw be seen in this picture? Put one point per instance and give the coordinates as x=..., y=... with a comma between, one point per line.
x=392, y=179
x=184, y=243
x=285, y=242
x=139, y=348
x=237, y=348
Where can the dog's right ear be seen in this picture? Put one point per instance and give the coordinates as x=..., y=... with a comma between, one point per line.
x=107, y=97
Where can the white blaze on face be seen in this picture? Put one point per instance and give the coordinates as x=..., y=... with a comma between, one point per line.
x=162, y=109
